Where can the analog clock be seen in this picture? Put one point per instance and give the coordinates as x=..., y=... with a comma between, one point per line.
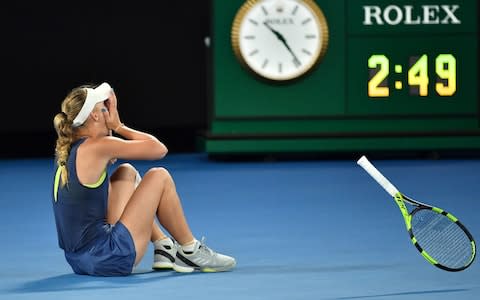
x=279, y=40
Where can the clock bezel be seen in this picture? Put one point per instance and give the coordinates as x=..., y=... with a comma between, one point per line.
x=320, y=21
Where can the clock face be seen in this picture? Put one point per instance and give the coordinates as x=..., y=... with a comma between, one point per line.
x=280, y=40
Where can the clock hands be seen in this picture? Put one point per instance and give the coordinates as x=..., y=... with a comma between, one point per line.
x=281, y=38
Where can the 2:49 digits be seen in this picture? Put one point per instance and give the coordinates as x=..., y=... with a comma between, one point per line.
x=418, y=79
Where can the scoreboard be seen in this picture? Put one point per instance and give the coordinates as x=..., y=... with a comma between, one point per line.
x=396, y=75
x=421, y=57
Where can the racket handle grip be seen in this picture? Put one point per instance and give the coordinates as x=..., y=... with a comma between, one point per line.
x=382, y=180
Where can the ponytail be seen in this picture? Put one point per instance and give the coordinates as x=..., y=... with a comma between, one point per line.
x=63, y=145
x=62, y=122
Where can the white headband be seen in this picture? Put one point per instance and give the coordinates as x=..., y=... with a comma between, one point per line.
x=94, y=96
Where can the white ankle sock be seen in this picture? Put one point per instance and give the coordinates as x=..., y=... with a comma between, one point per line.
x=163, y=242
x=190, y=246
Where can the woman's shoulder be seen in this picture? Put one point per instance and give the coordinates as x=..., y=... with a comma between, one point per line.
x=102, y=144
x=99, y=140
x=96, y=149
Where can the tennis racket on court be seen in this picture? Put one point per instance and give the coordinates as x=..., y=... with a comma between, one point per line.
x=438, y=235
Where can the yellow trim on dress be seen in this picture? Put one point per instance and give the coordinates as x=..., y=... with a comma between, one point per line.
x=99, y=182
x=56, y=182
x=58, y=174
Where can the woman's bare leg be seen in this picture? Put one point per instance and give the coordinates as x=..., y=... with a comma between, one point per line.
x=155, y=196
x=157, y=233
x=122, y=186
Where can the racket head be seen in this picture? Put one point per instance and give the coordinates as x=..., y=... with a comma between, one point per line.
x=441, y=238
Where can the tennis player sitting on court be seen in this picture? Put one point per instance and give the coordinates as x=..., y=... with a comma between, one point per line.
x=104, y=224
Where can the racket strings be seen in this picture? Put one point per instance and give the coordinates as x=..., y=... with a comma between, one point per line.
x=441, y=238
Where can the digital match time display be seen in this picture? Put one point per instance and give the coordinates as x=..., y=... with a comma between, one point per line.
x=408, y=58
x=417, y=77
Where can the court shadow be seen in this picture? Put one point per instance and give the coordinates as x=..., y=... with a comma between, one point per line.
x=69, y=282
x=413, y=293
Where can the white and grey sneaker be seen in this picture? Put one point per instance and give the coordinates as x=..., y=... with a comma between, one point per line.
x=164, y=255
x=203, y=259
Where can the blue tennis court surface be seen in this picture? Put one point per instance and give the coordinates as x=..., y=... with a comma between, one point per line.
x=298, y=229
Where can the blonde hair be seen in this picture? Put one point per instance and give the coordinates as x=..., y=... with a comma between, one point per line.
x=71, y=106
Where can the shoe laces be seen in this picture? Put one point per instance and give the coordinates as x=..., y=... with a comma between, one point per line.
x=205, y=248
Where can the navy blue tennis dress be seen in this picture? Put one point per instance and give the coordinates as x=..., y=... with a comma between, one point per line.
x=91, y=246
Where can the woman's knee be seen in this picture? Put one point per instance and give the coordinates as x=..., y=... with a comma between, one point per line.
x=125, y=172
x=158, y=174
